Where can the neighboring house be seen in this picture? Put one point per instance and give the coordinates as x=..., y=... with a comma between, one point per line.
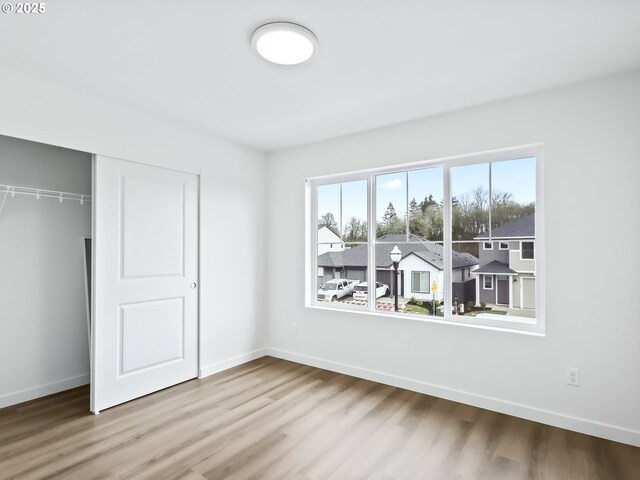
x=329, y=240
x=420, y=265
x=507, y=271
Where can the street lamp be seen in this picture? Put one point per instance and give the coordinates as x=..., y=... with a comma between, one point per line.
x=396, y=255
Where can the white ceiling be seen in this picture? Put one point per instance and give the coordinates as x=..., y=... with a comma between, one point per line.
x=380, y=61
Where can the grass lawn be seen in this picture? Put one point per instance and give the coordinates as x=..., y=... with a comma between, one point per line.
x=494, y=312
x=418, y=310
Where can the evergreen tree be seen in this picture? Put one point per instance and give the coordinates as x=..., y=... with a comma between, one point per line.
x=390, y=214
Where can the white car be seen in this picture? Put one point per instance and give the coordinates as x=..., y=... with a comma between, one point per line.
x=335, y=289
x=361, y=292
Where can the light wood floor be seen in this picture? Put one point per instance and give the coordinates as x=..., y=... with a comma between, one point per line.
x=273, y=419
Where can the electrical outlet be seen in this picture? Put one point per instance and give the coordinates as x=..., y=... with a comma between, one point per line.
x=294, y=328
x=572, y=376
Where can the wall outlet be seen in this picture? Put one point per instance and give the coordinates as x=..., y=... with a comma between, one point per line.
x=294, y=328
x=572, y=376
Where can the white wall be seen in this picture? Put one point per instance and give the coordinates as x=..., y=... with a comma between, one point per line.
x=233, y=192
x=591, y=133
x=43, y=316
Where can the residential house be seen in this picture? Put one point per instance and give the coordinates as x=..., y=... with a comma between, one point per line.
x=507, y=271
x=329, y=240
x=421, y=264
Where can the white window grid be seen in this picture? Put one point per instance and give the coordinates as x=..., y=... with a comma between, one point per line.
x=494, y=156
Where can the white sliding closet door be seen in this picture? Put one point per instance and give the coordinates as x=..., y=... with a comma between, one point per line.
x=145, y=321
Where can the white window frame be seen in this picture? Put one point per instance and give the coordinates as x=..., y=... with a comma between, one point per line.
x=311, y=287
x=484, y=246
x=484, y=281
x=522, y=250
x=428, y=290
x=503, y=243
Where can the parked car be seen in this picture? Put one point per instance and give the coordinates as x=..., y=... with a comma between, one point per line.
x=361, y=291
x=335, y=289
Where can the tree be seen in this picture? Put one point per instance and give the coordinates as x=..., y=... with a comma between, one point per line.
x=426, y=220
x=327, y=220
x=504, y=208
x=391, y=223
x=355, y=230
x=413, y=206
x=427, y=202
x=471, y=212
x=390, y=214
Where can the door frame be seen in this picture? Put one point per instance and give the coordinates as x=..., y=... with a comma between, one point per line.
x=95, y=240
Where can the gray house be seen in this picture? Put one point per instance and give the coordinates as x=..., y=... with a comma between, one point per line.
x=507, y=271
x=421, y=264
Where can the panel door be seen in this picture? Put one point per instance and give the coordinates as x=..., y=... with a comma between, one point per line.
x=145, y=317
x=529, y=293
x=502, y=285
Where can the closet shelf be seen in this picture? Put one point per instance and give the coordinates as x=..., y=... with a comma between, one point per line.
x=13, y=190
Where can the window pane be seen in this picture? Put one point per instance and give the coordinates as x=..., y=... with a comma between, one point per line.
x=513, y=196
x=354, y=211
x=329, y=213
x=342, y=270
x=420, y=282
x=492, y=284
x=425, y=203
x=421, y=265
x=470, y=201
x=464, y=262
x=528, y=251
x=391, y=204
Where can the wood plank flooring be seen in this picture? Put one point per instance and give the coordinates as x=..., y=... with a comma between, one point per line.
x=272, y=419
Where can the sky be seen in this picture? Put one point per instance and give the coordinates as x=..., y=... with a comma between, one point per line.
x=514, y=176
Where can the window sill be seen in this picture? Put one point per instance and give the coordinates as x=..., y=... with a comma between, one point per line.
x=498, y=326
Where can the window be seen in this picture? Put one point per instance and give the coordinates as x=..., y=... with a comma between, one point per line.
x=341, y=234
x=420, y=282
x=527, y=251
x=444, y=217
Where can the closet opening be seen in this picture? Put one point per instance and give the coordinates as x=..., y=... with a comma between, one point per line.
x=45, y=235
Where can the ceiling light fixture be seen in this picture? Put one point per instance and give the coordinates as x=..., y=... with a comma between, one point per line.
x=284, y=43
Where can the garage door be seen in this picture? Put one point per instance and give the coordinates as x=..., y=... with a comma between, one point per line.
x=529, y=293
x=357, y=274
x=384, y=276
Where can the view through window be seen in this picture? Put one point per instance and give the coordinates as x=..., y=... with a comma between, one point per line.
x=455, y=239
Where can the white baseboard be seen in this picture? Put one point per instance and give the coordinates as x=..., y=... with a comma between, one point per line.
x=581, y=425
x=232, y=362
x=43, y=390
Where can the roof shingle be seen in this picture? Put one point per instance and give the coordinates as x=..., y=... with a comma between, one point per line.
x=520, y=227
x=432, y=253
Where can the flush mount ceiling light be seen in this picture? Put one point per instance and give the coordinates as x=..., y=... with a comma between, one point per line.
x=284, y=43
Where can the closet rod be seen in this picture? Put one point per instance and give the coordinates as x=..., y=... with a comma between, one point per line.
x=12, y=190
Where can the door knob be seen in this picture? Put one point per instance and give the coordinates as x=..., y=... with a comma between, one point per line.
x=193, y=285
